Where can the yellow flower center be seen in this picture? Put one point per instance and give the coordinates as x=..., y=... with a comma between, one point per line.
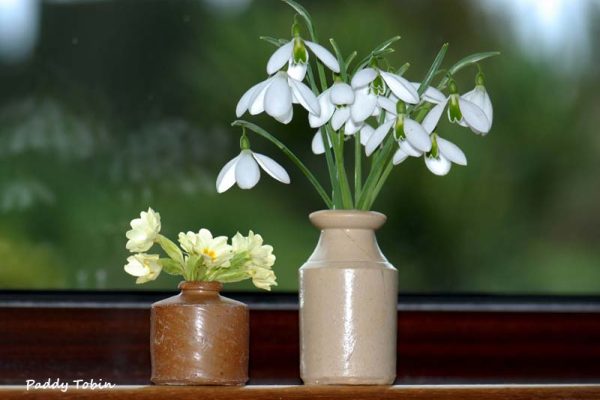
x=209, y=252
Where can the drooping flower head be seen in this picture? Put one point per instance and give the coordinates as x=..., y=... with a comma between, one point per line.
x=215, y=251
x=146, y=267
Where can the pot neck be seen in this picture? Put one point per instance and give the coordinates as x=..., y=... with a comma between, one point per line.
x=200, y=287
x=347, y=235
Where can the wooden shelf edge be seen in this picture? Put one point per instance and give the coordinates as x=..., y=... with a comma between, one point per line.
x=407, y=392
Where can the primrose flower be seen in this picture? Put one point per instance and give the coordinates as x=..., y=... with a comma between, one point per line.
x=275, y=96
x=295, y=55
x=244, y=170
x=262, y=278
x=146, y=267
x=215, y=251
x=144, y=231
x=260, y=256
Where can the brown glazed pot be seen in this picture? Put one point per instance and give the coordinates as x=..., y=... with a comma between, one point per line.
x=199, y=338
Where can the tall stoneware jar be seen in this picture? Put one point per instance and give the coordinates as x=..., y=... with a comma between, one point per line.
x=348, y=297
x=199, y=338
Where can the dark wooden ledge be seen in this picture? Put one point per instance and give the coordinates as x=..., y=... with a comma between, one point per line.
x=441, y=339
x=489, y=392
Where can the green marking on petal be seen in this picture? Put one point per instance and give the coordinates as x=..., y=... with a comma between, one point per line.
x=454, y=109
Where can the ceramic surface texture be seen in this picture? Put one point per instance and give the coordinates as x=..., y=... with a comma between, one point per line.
x=199, y=338
x=348, y=297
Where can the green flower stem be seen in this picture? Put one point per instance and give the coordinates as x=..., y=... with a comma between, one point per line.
x=309, y=175
x=384, y=175
x=338, y=151
x=357, y=166
x=335, y=183
x=379, y=164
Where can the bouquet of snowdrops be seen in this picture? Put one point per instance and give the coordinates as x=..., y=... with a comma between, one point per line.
x=199, y=256
x=388, y=117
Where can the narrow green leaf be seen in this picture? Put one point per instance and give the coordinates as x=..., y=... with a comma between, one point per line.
x=465, y=62
x=433, y=69
x=275, y=42
x=402, y=70
x=303, y=13
x=378, y=51
x=350, y=58
x=340, y=58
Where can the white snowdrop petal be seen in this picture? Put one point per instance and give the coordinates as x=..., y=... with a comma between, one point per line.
x=365, y=134
x=278, y=97
x=400, y=87
x=244, y=102
x=324, y=55
x=296, y=71
x=451, y=151
x=377, y=137
x=417, y=135
x=487, y=108
x=226, y=177
x=305, y=96
x=256, y=104
x=272, y=167
x=247, y=172
x=433, y=117
x=409, y=149
x=352, y=127
x=341, y=94
x=399, y=156
x=439, y=166
x=339, y=118
x=363, y=106
x=281, y=56
x=431, y=95
x=317, y=145
x=287, y=118
x=327, y=110
x=387, y=104
x=474, y=116
x=363, y=77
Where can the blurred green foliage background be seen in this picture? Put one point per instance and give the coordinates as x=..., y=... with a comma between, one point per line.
x=121, y=105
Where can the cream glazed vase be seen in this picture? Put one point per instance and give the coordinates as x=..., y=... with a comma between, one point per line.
x=348, y=303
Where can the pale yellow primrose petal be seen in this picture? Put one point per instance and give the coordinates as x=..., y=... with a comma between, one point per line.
x=145, y=267
x=144, y=231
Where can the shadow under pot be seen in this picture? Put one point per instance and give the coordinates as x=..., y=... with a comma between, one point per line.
x=199, y=337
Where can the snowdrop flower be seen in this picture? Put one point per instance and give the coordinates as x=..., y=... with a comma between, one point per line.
x=370, y=83
x=215, y=251
x=462, y=111
x=275, y=96
x=443, y=154
x=144, y=231
x=146, y=267
x=295, y=55
x=335, y=105
x=481, y=99
x=244, y=170
x=405, y=130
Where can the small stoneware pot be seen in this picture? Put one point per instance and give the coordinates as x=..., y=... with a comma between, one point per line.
x=348, y=297
x=199, y=338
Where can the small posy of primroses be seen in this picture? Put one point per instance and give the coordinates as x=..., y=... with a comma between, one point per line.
x=200, y=256
x=365, y=98
x=144, y=231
